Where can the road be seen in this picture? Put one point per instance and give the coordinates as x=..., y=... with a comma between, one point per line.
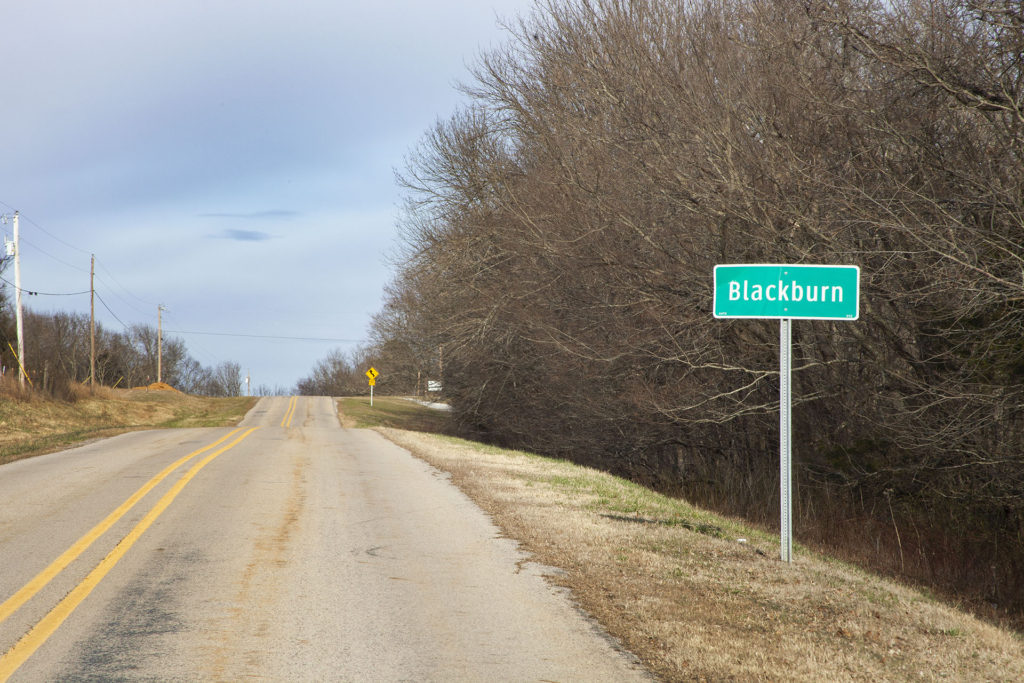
x=287, y=549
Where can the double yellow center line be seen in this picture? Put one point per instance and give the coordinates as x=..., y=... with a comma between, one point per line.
x=32, y=640
x=286, y=421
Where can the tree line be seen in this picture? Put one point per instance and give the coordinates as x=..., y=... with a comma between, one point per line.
x=57, y=352
x=561, y=229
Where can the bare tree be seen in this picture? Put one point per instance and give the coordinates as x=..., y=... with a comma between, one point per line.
x=561, y=232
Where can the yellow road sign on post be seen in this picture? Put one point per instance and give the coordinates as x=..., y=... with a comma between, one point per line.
x=372, y=375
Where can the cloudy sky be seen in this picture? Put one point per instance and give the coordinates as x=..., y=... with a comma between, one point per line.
x=231, y=160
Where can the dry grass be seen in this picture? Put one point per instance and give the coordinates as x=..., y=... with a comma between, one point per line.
x=390, y=411
x=676, y=586
x=31, y=424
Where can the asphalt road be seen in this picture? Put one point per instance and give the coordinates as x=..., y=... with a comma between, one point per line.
x=288, y=549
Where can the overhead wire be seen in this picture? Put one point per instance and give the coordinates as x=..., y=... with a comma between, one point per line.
x=46, y=232
x=36, y=247
x=112, y=290
x=210, y=356
x=48, y=254
x=123, y=288
x=270, y=336
x=111, y=312
x=35, y=293
x=51, y=235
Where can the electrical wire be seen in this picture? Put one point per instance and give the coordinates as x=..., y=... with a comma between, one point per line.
x=210, y=356
x=133, y=295
x=80, y=269
x=111, y=312
x=51, y=235
x=270, y=336
x=129, y=304
x=48, y=254
x=124, y=289
x=42, y=229
x=33, y=293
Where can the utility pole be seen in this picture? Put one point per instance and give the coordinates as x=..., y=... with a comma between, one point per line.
x=92, y=325
x=17, y=305
x=159, y=343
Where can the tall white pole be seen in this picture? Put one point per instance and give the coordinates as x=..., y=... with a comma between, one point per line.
x=159, y=343
x=17, y=304
x=92, y=324
x=786, y=437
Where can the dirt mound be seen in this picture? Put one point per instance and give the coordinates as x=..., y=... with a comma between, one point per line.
x=159, y=386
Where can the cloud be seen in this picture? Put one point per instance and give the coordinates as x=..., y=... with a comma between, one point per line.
x=243, y=235
x=272, y=214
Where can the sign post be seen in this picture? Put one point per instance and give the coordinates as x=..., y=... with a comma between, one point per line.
x=786, y=438
x=372, y=375
x=769, y=291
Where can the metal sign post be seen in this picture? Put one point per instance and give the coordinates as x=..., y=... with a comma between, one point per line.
x=784, y=292
x=372, y=376
x=785, y=438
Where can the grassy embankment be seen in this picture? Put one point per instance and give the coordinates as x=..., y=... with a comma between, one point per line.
x=390, y=412
x=680, y=589
x=31, y=425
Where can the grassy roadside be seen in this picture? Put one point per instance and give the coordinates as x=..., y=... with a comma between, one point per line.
x=32, y=426
x=679, y=589
x=389, y=411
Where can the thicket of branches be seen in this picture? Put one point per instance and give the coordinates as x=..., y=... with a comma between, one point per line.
x=57, y=355
x=338, y=374
x=562, y=230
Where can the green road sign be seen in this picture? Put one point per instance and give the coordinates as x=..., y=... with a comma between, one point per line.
x=787, y=291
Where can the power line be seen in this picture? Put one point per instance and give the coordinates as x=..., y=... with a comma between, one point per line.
x=124, y=289
x=123, y=300
x=44, y=230
x=58, y=260
x=73, y=266
x=111, y=312
x=194, y=345
x=31, y=293
x=271, y=336
x=52, y=236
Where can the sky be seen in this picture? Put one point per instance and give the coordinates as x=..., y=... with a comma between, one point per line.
x=231, y=161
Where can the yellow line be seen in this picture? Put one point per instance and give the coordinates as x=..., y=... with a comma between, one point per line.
x=286, y=421
x=20, y=365
x=34, y=639
x=13, y=603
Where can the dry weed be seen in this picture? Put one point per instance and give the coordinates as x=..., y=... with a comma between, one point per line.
x=32, y=424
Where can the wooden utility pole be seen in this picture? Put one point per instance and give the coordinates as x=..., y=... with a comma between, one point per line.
x=92, y=324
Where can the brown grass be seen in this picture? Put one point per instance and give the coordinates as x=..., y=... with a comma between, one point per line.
x=390, y=411
x=679, y=589
x=31, y=424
